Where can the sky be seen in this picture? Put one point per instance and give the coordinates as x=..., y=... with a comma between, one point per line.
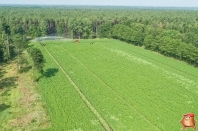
x=169, y=3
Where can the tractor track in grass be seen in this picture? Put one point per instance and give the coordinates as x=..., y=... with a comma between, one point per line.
x=157, y=60
x=169, y=108
x=160, y=68
x=133, y=108
x=102, y=121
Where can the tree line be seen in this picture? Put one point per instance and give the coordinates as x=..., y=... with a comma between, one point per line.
x=171, y=32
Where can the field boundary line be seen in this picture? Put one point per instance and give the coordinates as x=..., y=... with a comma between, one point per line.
x=141, y=115
x=102, y=121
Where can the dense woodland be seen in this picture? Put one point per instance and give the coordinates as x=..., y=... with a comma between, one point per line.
x=172, y=32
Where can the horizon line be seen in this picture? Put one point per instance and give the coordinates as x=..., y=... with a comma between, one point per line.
x=103, y=5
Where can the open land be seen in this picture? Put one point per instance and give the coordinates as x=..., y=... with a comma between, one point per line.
x=106, y=84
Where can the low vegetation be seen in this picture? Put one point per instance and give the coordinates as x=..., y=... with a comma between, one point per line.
x=21, y=106
x=127, y=86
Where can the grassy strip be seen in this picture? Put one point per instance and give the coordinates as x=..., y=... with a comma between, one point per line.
x=21, y=107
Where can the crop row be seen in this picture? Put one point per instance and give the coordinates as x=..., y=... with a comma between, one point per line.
x=66, y=108
x=150, y=91
x=115, y=110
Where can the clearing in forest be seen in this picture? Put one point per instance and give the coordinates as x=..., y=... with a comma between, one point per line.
x=110, y=85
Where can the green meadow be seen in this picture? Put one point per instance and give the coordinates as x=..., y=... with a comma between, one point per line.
x=105, y=84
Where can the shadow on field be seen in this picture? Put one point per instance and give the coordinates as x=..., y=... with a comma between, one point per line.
x=50, y=72
x=4, y=107
x=8, y=83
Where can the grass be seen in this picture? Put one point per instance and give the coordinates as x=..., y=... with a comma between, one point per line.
x=131, y=88
x=67, y=109
x=21, y=107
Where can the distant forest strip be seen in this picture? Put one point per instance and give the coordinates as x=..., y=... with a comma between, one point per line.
x=171, y=32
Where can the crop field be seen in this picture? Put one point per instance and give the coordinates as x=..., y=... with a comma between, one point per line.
x=106, y=84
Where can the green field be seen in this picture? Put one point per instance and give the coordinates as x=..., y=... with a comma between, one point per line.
x=115, y=86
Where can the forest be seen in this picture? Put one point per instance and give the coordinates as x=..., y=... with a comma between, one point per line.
x=172, y=32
